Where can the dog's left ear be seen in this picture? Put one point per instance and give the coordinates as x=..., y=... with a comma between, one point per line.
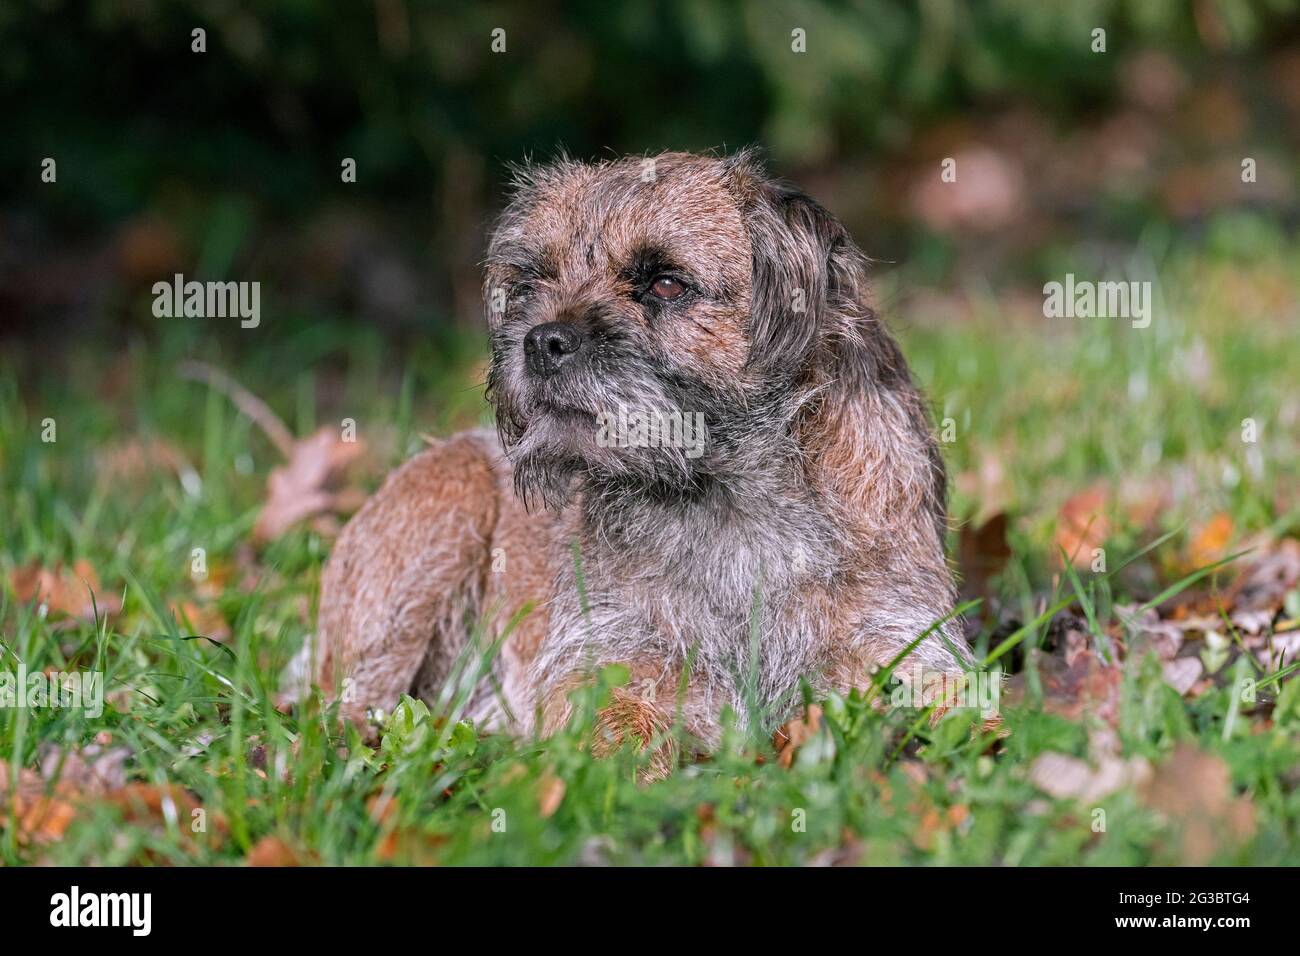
x=809, y=278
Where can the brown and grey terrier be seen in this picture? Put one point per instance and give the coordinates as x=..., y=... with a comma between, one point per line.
x=711, y=466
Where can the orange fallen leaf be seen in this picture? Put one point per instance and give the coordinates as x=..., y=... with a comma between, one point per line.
x=550, y=794
x=37, y=816
x=205, y=619
x=211, y=585
x=1082, y=526
x=43, y=812
x=401, y=843
x=931, y=824
x=1210, y=543
x=74, y=592
x=141, y=802
x=42, y=818
x=271, y=851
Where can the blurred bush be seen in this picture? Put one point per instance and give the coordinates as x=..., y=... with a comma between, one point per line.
x=198, y=159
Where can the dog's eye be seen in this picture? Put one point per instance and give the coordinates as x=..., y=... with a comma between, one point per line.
x=667, y=288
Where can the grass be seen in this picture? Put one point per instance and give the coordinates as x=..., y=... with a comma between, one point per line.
x=1040, y=409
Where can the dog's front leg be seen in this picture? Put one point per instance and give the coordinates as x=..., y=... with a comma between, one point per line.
x=654, y=709
x=405, y=577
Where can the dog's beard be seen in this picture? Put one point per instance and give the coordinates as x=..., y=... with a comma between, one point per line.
x=546, y=458
x=624, y=428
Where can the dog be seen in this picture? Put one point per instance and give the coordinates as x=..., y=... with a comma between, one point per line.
x=798, y=536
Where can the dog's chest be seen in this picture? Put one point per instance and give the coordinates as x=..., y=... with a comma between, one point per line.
x=723, y=598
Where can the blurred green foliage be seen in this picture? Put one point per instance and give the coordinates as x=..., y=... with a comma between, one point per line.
x=286, y=89
x=226, y=163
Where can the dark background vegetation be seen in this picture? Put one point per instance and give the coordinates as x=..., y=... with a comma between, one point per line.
x=226, y=164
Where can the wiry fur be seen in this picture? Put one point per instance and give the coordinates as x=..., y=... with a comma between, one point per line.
x=805, y=542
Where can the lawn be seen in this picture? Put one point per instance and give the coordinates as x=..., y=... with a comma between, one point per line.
x=1147, y=716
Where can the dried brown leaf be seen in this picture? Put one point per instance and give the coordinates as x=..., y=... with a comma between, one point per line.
x=271, y=851
x=92, y=770
x=795, y=733
x=1082, y=526
x=74, y=592
x=1183, y=673
x=1087, y=685
x=37, y=816
x=982, y=553
x=1065, y=777
x=309, y=484
x=204, y=619
x=1193, y=790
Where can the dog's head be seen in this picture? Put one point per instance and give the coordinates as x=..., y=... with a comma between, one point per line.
x=631, y=301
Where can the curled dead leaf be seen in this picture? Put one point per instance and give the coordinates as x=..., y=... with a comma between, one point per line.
x=1147, y=632
x=309, y=484
x=1071, y=689
x=1269, y=574
x=795, y=733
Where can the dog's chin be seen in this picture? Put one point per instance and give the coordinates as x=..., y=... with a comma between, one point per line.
x=559, y=450
x=549, y=455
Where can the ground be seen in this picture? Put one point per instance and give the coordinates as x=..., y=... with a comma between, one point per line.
x=1124, y=503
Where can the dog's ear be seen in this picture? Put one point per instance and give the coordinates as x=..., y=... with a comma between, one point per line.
x=811, y=321
x=809, y=287
x=808, y=276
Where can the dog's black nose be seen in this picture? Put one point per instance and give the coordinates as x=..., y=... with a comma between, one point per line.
x=550, y=346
